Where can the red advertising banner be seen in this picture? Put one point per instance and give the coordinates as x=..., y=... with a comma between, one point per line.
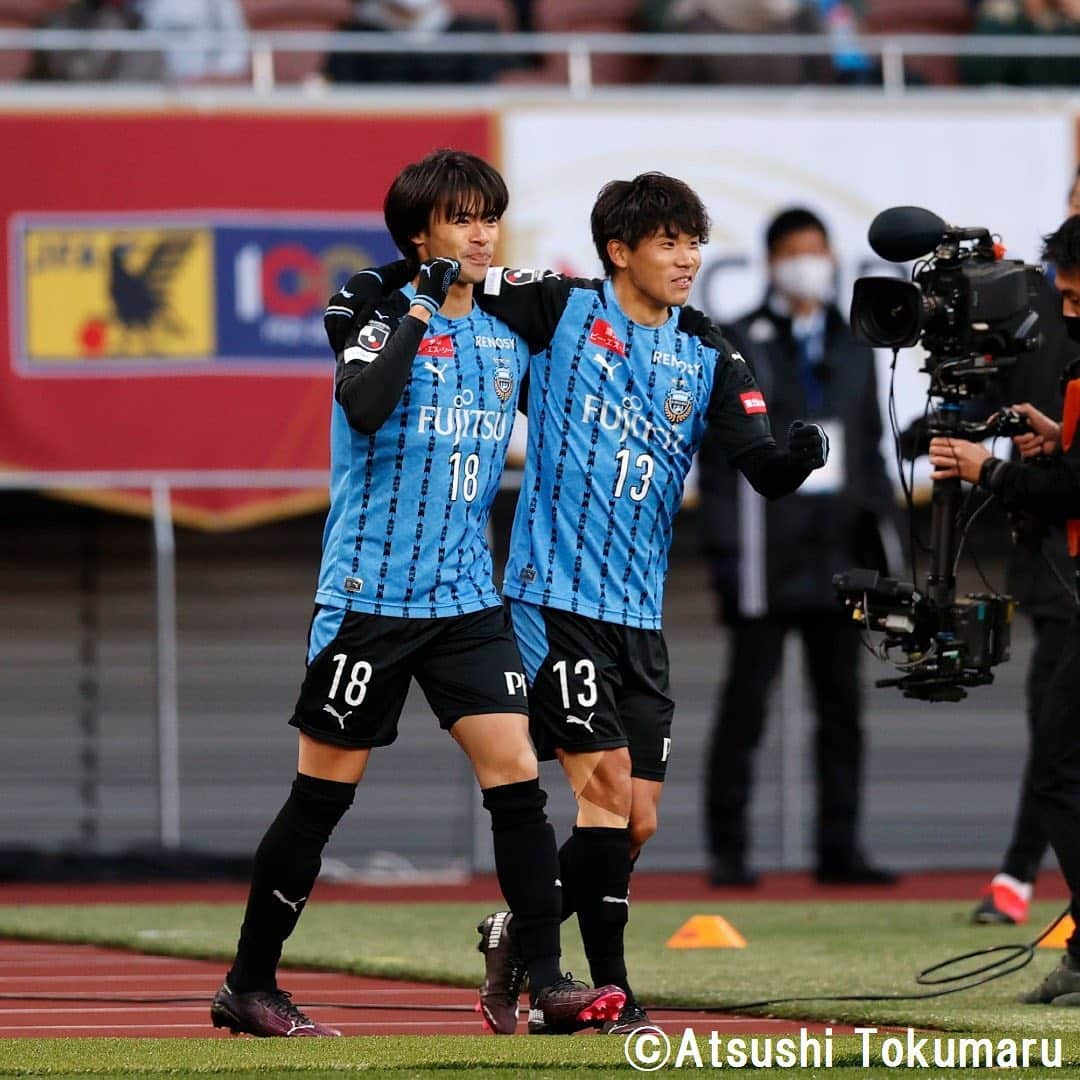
x=164, y=285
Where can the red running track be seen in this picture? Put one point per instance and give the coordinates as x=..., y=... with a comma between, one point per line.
x=92, y=975
x=89, y=974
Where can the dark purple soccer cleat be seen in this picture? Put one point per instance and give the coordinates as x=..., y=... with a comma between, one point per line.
x=504, y=974
x=568, y=1006
x=264, y=1014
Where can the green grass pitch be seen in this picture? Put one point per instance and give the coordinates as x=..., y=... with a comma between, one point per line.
x=794, y=949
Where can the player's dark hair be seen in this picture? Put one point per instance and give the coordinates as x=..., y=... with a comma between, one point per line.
x=1062, y=248
x=792, y=220
x=450, y=182
x=631, y=210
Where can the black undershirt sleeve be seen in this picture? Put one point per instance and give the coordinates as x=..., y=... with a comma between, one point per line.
x=771, y=471
x=369, y=392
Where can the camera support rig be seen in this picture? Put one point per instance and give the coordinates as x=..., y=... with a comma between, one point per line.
x=949, y=644
x=972, y=311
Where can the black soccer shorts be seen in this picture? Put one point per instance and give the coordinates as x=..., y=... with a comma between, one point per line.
x=360, y=666
x=595, y=686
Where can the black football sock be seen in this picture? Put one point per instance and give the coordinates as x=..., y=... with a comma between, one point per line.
x=597, y=867
x=527, y=865
x=567, y=855
x=286, y=865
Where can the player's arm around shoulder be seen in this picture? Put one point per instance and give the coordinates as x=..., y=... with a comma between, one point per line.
x=530, y=302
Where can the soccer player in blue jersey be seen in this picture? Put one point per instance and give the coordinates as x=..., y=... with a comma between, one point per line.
x=425, y=391
x=624, y=379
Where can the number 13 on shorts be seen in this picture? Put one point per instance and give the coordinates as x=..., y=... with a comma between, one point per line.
x=584, y=672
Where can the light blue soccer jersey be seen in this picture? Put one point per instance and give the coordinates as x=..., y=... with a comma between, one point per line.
x=616, y=413
x=409, y=505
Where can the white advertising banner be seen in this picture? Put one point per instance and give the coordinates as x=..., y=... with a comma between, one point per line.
x=1006, y=167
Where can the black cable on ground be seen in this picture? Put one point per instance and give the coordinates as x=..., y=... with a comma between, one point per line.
x=1014, y=959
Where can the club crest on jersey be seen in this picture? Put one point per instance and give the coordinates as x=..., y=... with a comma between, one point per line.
x=679, y=403
x=440, y=345
x=504, y=380
x=373, y=337
x=603, y=335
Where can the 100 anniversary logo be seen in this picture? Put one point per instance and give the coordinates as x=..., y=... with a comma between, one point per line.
x=201, y=295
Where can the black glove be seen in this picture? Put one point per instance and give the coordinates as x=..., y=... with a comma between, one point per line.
x=359, y=295
x=808, y=445
x=434, y=283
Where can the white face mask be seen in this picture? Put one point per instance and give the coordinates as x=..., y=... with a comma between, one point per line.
x=805, y=277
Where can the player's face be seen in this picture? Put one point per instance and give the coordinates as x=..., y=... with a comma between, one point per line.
x=662, y=267
x=1068, y=284
x=468, y=237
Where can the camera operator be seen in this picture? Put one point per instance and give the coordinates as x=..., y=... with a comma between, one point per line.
x=1037, y=567
x=1050, y=489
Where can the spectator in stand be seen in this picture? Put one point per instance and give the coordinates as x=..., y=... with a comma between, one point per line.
x=738, y=17
x=96, y=65
x=189, y=65
x=841, y=22
x=415, y=16
x=1028, y=18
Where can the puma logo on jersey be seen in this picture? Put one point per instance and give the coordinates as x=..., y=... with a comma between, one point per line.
x=608, y=368
x=616, y=900
x=586, y=723
x=438, y=372
x=294, y=904
x=328, y=708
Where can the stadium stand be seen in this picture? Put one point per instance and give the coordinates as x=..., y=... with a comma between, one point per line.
x=498, y=12
x=921, y=17
x=294, y=67
x=18, y=14
x=602, y=17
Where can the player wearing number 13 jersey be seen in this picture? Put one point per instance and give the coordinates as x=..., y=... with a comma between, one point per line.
x=623, y=382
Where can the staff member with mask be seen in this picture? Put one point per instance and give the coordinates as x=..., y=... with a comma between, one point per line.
x=772, y=566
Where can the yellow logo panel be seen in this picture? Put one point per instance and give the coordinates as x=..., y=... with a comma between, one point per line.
x=121, y=293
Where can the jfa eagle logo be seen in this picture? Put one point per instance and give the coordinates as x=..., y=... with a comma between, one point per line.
x=679, y=403
x=504, y=380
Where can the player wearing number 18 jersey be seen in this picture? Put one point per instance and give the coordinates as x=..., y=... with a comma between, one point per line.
x=424, y=398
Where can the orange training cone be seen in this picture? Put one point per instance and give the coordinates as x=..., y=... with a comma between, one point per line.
x=1058, y=937
x=706, y=932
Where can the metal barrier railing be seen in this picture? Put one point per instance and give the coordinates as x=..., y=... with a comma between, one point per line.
x=166, y=676
x=161, y=484
x=580, y=49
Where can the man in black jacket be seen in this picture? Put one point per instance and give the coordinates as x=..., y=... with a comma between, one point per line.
x=773, y=565
x=1036, y=577
x=1051, y=491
